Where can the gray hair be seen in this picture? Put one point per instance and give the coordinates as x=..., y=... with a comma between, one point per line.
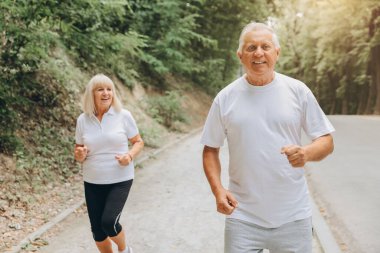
x=253, y=26
x=88, y=103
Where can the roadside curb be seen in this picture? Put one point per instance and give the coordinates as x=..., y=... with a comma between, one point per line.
x=44, y=228
x=63, y=215
x=322, y=231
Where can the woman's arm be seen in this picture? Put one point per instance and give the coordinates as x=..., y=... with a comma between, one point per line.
x=137, y=145
x=80, y=152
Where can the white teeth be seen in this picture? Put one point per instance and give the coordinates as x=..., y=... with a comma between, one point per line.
x=258, y=62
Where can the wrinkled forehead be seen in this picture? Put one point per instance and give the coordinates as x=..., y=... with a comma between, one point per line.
x=258, y=37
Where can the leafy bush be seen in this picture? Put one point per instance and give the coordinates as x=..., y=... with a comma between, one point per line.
x=152, y=136
x=25, y=43
x=166, y=109
x=170, y=28
x=9, y=144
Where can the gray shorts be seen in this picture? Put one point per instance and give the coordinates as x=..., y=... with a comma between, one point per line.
x=244, y=237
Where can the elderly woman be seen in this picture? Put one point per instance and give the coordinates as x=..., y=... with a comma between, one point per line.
x=102, y=134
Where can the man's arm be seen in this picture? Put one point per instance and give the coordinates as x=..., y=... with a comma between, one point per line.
x=225, y=201
x=317, y=150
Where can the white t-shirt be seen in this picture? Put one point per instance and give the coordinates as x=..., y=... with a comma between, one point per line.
x=105, y=140
x=257, y=122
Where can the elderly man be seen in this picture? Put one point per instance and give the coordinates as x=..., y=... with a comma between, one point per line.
x=262, y=114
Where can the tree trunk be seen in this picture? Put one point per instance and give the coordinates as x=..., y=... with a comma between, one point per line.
x=376, y=78
x=374, y=64
x=370, y=98
x=344, y=106
x=332, y=108
x=362, y=99
x=332, y=94
x=3, y=39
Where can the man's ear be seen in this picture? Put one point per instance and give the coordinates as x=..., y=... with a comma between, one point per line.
x=278, y=52
x=239, y=54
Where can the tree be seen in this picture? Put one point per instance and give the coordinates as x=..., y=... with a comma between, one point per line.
x=327, y=45
x=374, y=61
x=222, y=21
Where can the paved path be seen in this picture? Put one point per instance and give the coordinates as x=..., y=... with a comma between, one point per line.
x=347, y=184
x=170, y=209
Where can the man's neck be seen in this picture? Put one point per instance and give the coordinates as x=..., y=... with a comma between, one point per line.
x=259, y=80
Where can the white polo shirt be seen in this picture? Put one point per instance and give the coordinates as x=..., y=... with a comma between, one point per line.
x=105, y=140
x=257, y=122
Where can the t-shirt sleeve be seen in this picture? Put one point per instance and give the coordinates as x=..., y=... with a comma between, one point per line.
x=213, y=131
x=79, y=132
x=315, y=122
x=130, y=125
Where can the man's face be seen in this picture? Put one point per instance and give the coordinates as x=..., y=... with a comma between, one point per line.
x=259, y=54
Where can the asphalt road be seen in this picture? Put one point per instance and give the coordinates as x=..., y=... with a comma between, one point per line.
x=347, y=184
x=170, y=209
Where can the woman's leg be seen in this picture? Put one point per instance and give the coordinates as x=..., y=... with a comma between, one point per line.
x=104, y=246
x=119, y=239
x=96, y=196
x=115, y=202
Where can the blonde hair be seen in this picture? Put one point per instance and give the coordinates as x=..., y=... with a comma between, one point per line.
x=253, y=26
x=88, y=103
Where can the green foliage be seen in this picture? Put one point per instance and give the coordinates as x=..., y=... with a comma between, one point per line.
x=222, y=21
x=24, y=43
x=9, y=144
x=171, y=30
x=215, y=82
x=8, y=120
x=327, y=45
x=166, y=109
x=151, y=135
x=47, y=155
x=99, y=37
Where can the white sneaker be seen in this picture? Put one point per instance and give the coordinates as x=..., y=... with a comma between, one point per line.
x=127, y=250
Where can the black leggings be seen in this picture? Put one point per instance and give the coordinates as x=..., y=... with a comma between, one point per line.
x=104, y=205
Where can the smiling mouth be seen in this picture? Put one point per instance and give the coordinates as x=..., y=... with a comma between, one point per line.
x=258, y=62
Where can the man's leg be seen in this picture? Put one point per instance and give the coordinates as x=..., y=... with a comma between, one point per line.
x=243, y=237
x=292, y=237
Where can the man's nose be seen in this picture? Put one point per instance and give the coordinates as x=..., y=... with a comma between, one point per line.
x=259, y=51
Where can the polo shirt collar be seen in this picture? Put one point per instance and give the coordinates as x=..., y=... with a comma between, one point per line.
x=111, y=111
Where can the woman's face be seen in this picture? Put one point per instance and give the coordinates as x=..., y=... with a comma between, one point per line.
x=103, y=95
